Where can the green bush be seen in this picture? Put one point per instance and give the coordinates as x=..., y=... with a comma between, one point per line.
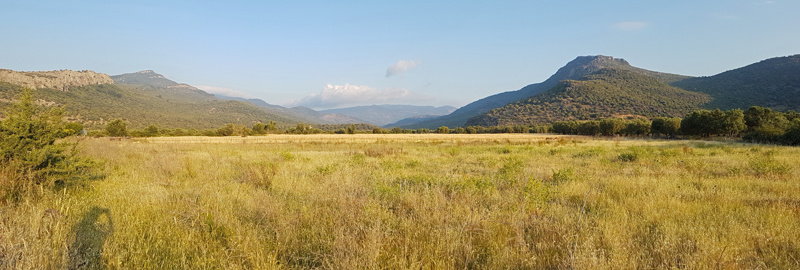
x=117, y=128
x=30, y=153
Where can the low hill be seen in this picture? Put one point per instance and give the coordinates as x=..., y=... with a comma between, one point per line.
x=386, y=114
x=575, y=69
x=773, y=83
x=608, y=92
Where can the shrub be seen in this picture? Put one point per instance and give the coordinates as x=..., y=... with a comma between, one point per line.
x=767, y=165
x=764, y=135
x=563, y=175
x=151, y=131
x=73, y=128
x=259, y=128
x=117, y=128
x=628, y=157
x=29, y=152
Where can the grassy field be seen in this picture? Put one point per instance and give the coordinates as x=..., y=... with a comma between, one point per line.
x=497, y=201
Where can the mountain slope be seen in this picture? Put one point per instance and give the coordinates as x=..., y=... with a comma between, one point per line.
x=411, y=120
x=575, y=69
x=773, y=83
x=608, y=92
x=152, y=100
x=386, y=114
x=255, y=101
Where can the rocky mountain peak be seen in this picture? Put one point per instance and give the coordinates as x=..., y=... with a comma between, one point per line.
x=56, y=79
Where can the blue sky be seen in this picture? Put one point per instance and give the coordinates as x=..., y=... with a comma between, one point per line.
x=326, y=54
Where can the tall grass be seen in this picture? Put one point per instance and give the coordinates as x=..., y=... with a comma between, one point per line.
x=444, y=201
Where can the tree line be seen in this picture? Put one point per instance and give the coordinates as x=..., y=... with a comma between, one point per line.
x=757, y=124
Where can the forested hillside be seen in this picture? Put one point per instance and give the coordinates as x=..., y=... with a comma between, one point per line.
x=575, y=69
x=609, y=92
x=142, y=105
x=773, y=83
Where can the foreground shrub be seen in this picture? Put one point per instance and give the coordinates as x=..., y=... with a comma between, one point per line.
x=30, y=155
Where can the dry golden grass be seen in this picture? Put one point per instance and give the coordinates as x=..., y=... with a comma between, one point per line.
x=500, y=201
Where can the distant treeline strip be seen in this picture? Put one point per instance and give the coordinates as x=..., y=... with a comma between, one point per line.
x=757, y=124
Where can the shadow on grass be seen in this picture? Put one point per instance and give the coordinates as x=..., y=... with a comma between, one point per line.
x=90, y=234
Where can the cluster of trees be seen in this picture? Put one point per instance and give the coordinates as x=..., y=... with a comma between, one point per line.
x=767, y=126
x=758, y=124
x=703, y=123
x=608, y=126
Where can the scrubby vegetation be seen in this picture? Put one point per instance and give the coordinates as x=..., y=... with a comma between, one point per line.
x=499, y=201
x=769, y=83
x=603, y=94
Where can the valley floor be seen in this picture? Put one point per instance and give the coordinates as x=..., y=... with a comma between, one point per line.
x=499, y=201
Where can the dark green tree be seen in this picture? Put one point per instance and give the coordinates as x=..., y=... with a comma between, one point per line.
x=590, y=128
x=612, y=126
x=30, y=153
x=792, y=135
x=443, y=130
x=117, y=128
x=665, y=126
x=259, y=128
x=638, y=127
x=151, y=131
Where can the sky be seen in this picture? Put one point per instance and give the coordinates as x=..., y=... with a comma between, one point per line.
x=331, y=54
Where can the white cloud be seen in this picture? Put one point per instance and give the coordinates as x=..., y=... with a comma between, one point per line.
x=401, y=67
x=222, y=91
x=631, y=26
x=337, y=96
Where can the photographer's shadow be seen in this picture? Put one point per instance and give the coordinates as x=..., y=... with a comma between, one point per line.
x=86, y=252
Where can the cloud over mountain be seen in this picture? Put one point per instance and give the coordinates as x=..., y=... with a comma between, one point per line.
x=335, y=96
x=401, y=67
x=222, y=91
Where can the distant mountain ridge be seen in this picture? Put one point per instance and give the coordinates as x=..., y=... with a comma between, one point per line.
x=56, y=79
x=382, y=115
x=378, y=115
x=773, y=83
x=575, y=69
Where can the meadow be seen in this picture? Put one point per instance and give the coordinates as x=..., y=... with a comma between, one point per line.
x=408, y=201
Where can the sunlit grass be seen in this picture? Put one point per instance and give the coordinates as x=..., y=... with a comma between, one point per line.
x=416, y=201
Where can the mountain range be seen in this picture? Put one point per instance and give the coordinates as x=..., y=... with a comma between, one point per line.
x=773, y=83
x=588, y=87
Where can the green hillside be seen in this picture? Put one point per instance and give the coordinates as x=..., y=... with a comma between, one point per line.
x=573, y=70
x=773, y=83
x=609, y=92
x=143, y=105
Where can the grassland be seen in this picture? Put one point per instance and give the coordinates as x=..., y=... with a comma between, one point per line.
x=497, y=201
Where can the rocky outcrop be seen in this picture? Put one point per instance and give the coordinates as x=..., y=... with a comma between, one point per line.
x=57, y=79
